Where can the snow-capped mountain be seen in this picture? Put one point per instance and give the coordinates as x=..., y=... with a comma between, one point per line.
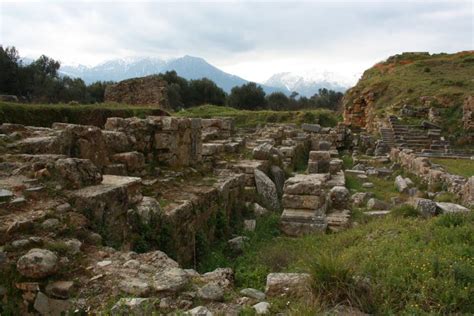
x=305, y=84
x=188, y=67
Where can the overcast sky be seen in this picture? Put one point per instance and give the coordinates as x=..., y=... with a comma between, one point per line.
x=248, y=38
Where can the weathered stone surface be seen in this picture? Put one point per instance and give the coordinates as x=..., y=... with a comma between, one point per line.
x=253, y=293
x=135, y=306
x=150, y=90
x=426, y=207
x=375, y=204
x=338, y=220
x=278, y=177
x=211, y=292
x=135, y=287
x=339, y=197
x=267, y=190
x=60, y=289
x=303, y=184
x=199, y=311
x=134, y=161
x=76, y=173
x=170, y=280
x=262, y=308
x=314, y=128
x=266, y=151
x=289, y=285
x=148, y=209
x=250, y=224
x=359, y=199
x=237, y=243
x=311, y=202
x=445, y=207
x=37, y=263
x=51, y=307
x=6, y=195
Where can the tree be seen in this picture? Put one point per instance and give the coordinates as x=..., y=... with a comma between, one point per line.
x=205, y=91
x=278, y=101
x=248, y=96
x=9, y=81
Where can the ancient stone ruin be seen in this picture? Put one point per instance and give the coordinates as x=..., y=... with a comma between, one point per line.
x=89, y=214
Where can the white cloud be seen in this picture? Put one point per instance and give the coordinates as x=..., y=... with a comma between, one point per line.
x=248, y=38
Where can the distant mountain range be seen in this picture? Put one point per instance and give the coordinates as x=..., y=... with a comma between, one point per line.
x=191, y=67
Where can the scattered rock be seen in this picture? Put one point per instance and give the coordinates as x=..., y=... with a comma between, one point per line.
x=60, y=289
x=135, y=306
x=339, y=197
x=375, y=204
x=288, y=284
x=367, y=185
x=6, y=195
x=250, y=224
x=445, y=208
x=237, y=243
x=170, y=280
x=267, y=190
x=50, y=224
x=259, y=210
x=402, y=184
x=37, y=263
x=426, y=207
x=134, y=286
x=48, y=306
x=199, y=311
x=63, y=208
x=261, y=308
x=253, y=293
x=359, y=199
x=211, y=292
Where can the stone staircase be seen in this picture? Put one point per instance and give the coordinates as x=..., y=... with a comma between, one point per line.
x=417, y=138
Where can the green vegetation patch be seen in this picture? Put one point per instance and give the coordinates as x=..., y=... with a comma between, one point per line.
x=93, y=114
x=247, y=118
x=462, y=167
x=393, y=265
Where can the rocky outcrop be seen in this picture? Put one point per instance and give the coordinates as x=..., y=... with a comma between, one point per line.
x=150, y=90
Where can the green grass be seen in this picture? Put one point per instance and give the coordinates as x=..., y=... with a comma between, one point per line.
x=383, y=189
x=394, y=265
x=246, y=118
x=90, y=114
x=462, y=167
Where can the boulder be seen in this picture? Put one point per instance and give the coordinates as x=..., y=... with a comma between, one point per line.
x=48, y=306
x=37, y=263
x=288, y=284
x=445, y=208
x=278, y=177
x=211, y=292
x=402, y=184
x=267, y=190
x=147, y=209
x=360, y=199
x=199, y=311
x=60, y=289
x=266, y=151
x=375, y=204
x=339, y=197
x=170, y=280
x=135, y=287
x=237, y=243
x=426, y=207
x=261, y=308
x=253, y=293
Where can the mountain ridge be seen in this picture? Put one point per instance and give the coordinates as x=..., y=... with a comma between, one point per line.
x=188, y=67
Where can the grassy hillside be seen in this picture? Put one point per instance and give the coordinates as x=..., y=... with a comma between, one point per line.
x=47, y=114
x=245, y=118
x=441, y=81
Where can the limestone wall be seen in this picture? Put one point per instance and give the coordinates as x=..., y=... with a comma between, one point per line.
x=421, y=167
